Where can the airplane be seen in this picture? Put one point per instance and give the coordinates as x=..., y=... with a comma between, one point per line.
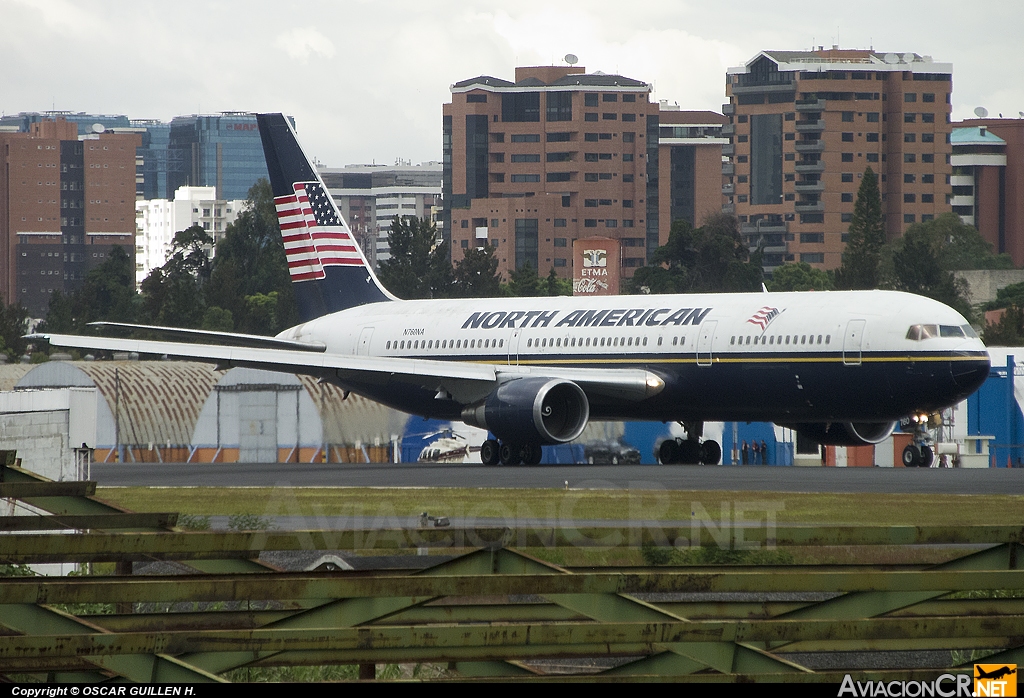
x=840, y=367
x=995, y=673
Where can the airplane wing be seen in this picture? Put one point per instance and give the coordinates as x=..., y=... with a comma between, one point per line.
x=228, y=338
x=467, y=382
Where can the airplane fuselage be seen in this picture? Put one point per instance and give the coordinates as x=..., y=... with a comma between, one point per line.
x=784, y=357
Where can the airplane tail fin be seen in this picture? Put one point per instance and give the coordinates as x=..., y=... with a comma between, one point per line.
x=327, y=267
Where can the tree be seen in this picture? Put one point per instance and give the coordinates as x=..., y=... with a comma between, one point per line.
x=800, y=276
x=524, y=282
x=552, y=285
x=173, y=293
x=250, y=260
x=1012, y=295
x=917, y=263
x=476, y=274
x=698, y=260
x=1008, y=331
x=866, y=235
x=13, y=325
x=963, y=247
x=108, y=293
x=419, y=266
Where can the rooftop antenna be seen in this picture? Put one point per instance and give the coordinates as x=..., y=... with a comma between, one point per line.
x=571, y=59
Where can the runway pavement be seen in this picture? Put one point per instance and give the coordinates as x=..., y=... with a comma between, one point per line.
x=634, y=477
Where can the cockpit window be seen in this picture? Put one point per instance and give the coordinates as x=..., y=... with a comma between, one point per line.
x=922, y=332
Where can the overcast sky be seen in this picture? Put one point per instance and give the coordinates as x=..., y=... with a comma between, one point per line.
x=365, y=79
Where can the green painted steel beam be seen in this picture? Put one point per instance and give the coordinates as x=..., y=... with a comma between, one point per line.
x=23, y=490
x=503, y=637
x=329, y=585
x=39, y=621
x=205, y=544
x=104, y=522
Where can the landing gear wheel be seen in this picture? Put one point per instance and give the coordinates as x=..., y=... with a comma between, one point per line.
x=689, y=452
x=531, y=454
x=911, y=456
x=510, y=454
x=927, y=457
x=490, y=452
x=710, y=453
x=668, y=452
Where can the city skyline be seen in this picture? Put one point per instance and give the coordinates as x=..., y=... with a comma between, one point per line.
x=366, y=81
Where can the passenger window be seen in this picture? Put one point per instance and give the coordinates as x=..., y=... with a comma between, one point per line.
x=659, y=341
x=675, y=341
x=501, y=343
x=682, y=341
x=819, y=339
x=645, y=341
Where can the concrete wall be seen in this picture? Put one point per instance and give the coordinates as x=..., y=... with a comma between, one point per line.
x=48, y=429
x=983, y=283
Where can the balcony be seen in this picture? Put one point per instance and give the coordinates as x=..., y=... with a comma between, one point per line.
x=810, y=206
x=729, y=149
x=810, y=146
x=728, y=189
x=765, y=229
x=810, y=104
x=728, y=168
x=806, y=167
x=729, y=208
x=728, y=109
x=809, y=186
x=810, y=125
x=728, y=129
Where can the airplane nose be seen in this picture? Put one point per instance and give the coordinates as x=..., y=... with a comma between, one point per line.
x=970, y=371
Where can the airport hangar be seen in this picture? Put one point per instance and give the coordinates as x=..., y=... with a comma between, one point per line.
x=62, y=415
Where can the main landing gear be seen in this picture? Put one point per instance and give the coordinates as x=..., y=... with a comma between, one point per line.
x=510, y=453
x=691, y=450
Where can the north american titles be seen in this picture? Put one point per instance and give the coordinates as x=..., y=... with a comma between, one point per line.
x=623, y=317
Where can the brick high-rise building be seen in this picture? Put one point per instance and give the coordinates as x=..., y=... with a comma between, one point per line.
x=988, y=181
x=65, y=202
x=806, y=124
x=690, y=180
x=557, y=155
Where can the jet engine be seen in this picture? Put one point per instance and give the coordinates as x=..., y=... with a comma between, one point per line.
x=532, y=410
x=845, y=433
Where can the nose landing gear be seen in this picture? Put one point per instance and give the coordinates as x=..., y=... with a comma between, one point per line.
x=918, y=454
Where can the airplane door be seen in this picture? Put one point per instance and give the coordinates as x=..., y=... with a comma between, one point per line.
x=513, y=348
x=704, y=340
x=363, y=348
x=853, y=342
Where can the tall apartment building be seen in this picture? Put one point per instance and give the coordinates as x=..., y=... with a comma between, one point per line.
x=804, y=127
x=370, y=197
x=65, y=202
x=691, y=184
x=158, y=220
x=988, y=181
x=557, y=155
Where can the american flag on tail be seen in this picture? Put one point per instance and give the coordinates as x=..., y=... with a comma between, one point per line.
x=763, y=316
x=314, y=234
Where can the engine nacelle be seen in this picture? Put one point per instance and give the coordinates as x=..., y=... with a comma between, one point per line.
x=846, y=433
x=532, y=410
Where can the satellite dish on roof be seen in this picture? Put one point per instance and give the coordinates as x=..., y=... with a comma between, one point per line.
x=98, y=128
x=980, y=112
x=571, y=59
x=908, y=58
x=891, y=58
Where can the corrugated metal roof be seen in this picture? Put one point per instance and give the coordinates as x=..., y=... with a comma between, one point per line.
x=158, y=401
x=10, y=374
x=355, y=419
